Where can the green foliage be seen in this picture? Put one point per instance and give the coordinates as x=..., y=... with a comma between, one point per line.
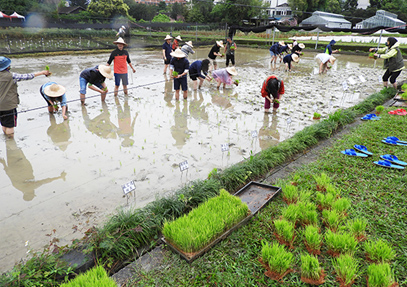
x=278, y=259
x=380, y=275
x=325, y=201
x=307, y=213
x=202, y=225
x=404, y=87
x=290, y=193
x=379, y=109
x=342, y=242
x=357, y=226
x=285, y=229
x=96, y=276
x=161, y=18
x=322, y=180
x=341, y=205
x=313, y=237
x=234, y=14
x=332, y=219
x=404, y=96
x=346, y=268
x=310, y=267
x=317, y=115
x=379, y=251
x=291, y=213
x=108, y=8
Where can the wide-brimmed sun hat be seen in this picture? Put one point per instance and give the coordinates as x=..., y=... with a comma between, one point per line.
x=123, y=27
x=178, y=53
x=295, y=58
x=231, y=70
x=290, y=46
x=281, y=43
x=4, y=63
x=189, y=43
x=106, y=71
x=54, y=90
x=301, y=45
x=168, y=37
x=120, y=41
x=220, y=43
x=332, y=60
x=178, y=38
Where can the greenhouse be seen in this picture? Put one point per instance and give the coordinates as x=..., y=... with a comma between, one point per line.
x=329, y=20
x=382, y=18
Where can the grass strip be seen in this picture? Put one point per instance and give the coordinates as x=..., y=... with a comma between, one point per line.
x=96, y=276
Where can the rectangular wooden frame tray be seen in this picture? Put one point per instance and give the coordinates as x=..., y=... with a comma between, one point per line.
x=256, y=195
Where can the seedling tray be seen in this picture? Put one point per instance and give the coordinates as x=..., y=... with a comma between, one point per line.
x=255, y=195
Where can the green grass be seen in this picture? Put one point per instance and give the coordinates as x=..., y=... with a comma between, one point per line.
x=346, y=268
x=278, y=259
x=379, y=251
x=380, y=275
x=310, y=267
x=96, y=276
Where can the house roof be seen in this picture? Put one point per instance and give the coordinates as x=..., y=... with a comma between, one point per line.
x=317, y=19
x=69, y=10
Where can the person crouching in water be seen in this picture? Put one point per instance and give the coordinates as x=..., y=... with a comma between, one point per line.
x=272, y=87
x=224, y=76
x=179, y=67
x=393, y=60
x=323, y=60
x=288, y=59
x=52, y=94
x=196, y=70
x=95, y=79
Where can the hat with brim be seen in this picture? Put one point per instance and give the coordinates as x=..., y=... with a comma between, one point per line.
x=189, y=43
x=231, y=70
x=290, y=46
x=220, y=43
x=281, y=43
x=295, y=58
x=178, y=53
x=332, y=60
x=106, y=71
x=120, y=41
x=4, y=63
x=123, y=27
x=301, y=45
x=54, y=90
x=178, y=38
x=168, y=37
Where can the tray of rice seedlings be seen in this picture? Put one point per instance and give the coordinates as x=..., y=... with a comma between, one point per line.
x=323, y=181
x=195, y=233
x=277, y=260
x=290, y=193
x=347, y=270
x=312, y=239
x=325, y=200
x=96, y=276
x=342, y=205
x=307, y=213
x=332, y=219
x=284, y=232
x=311, y=271
x=380, y=275
x=257, y=195
x=357, y=227
x=379, y=251
x=340, y=242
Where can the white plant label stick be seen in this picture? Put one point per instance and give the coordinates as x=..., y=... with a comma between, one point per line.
x=224, y=147
x=315, y=108
x=351, y=81
x=254, y=134
x=380, y=79
x=128, y=187
x=288, y=120
x=345, y=85
x=362, y=79
x=183, y=165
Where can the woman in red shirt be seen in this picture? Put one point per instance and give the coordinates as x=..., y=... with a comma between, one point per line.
x=274, y=87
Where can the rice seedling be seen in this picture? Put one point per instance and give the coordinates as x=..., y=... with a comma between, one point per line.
x=326, y=200
x=313, y=238
x=316, y=116
x=278, y=259
x=284, y=229
x=379, y=109
x=340, y=242
x=307, y=213
x=322, y=181
x=203, y=224
x=379, y=251
x=346, y=268
x=96, y=276
x=310, y=267
x=341, y=205
x=404, y=87
x=380, y=275
x=305, y=196
x=357, y=227
x=290, y=193
x=291, y=213
x=332, y=219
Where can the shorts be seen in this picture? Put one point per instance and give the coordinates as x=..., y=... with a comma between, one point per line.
x=272, y=54
x=181, y=82
x=193, y=75
x=167, y=62
x=123, y=77
x=8, y=119
x=214, y=62
x=83, y=84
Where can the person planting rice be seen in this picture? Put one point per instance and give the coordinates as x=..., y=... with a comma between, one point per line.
x=121, y=58
x=215, y=52
x=328, y=49
x=122, y=32
x=224, y=76
x=230, y=49
x=284, y=49
x=297, y=49
x=52, y=94
x=274, y=51
x=175, y=43
x=94, y=78
x=195, y=71
x=274, y=87
x=288, y=59
x=167, y=49
x=187, y=48
x=9, y=98
x=323, y=60
x=179, y=67
x=393, y=60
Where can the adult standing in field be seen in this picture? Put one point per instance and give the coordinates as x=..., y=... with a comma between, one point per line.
x=215, y=52
x=229, y=51
x=323, y=59
x=175, y=43
x=199, y=69
x=9, y=98
x=274, y=51
x=121, y=58
x=122, y=32
x=288, y=59
x=187, y=48
x=167, y=50
x=272, y=87
x=180, y=65
x=94, y=78
x=328, y=49
x=52, y=94
x=393, y=60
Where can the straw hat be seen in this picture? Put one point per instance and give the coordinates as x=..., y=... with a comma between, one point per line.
x=231, y=70
x=290, y=46
x=189, y=43
x=120, y=41
x=4, y=63
x=168, y=37
x=281, y=43
x=106, y=71
x=178, y=38
x=301, y=45
x=178, y=53
x=123, y=27
x=295, y=58
x=220, y=43
x=332, y=59
x=54, y=90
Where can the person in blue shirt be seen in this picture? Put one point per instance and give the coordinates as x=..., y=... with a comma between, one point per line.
x=195, y=71
x=180, y=65
x=288, y=59
x=284, y=49
x=52, y=94
x=328, y=49
x=275, y=50
x=167, y=50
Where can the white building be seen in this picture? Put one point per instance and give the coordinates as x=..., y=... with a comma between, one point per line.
x=329, y=20
x=278, y=9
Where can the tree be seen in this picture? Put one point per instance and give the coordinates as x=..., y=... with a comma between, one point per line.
x=162, y=7
x=201, y=12
x=161, y=18
x=108, y=8
x=20, y=6
x=333, y=6
x=177, y=9
x=350, y=5
x=235, y=11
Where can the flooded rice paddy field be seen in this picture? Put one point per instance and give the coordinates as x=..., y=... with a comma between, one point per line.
x=67, y=175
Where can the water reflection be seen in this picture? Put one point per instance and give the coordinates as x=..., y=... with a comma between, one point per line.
x=100, y=125
x=59, y=133
x=20, y=171
x=196, y=109
x=221, y=101
x=126, y=126
x=268, y=133
x=179, y=130
x=168, y=91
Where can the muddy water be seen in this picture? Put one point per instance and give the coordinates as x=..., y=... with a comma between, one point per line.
x=67, y=175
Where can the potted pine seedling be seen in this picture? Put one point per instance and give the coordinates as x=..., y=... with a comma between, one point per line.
x=276, y=260
x=341, y=205
x=340, y=242
x=311, y=271
x=379, y=251
x=312, y=239
x=332, y=219
x=290, y=193
x=379, y=109
x=284, y=232
x=316, y=116
x=347, y=270
x=325, y=201
x=322, y=181
x=380, y=275
x=357, y=227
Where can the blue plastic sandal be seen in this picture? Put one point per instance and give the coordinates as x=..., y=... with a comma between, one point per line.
x=390, y=142
x=352, y=152
x=363, y=149
x=388, y=164
x=396, y=140
x=393, y=158
x=370, y=117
